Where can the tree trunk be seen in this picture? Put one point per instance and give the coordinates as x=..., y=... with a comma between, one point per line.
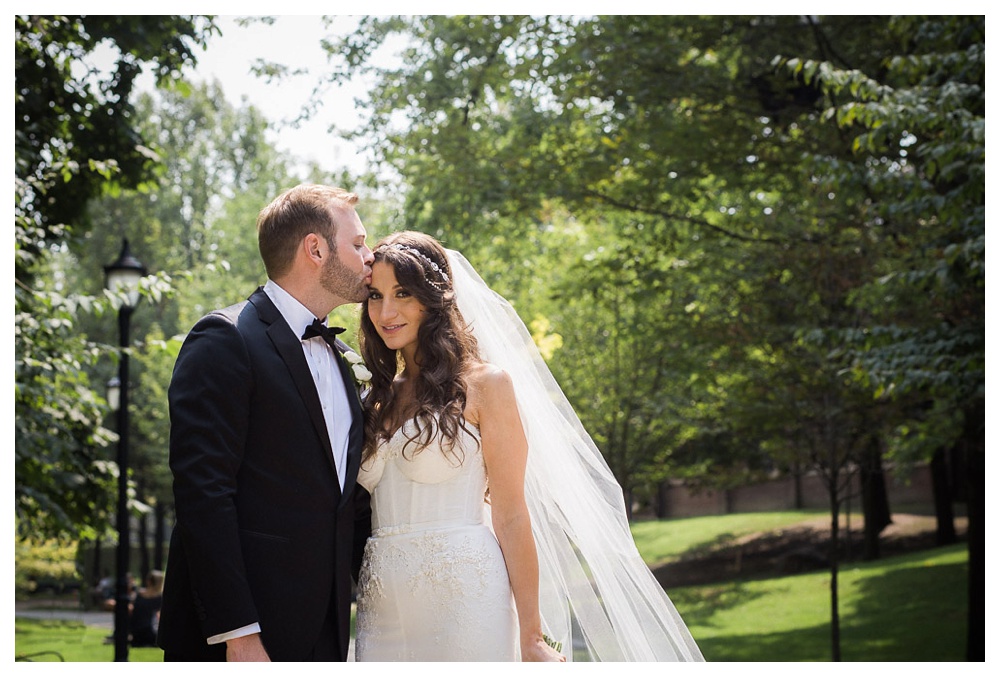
x=943, y=497
x=662, y=489
x=159, y=535
x=96, y=573
x=143, y=547
x=874, y=498
x=797, y=476
x=975, y=448
x=834, y=571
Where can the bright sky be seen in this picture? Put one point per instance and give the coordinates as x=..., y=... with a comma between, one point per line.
x=293, y=41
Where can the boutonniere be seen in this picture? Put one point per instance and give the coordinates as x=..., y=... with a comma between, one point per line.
x=362, y=376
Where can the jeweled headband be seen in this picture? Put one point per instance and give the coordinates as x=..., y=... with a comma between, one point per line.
x=410, y=250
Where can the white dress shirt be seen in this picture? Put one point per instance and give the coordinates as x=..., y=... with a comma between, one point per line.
x=330, y=385
x=322, y=359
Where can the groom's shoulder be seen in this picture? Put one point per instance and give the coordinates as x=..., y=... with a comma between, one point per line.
x=257, y=303
x=248, y=316
x=231, y=313
x=224, y=319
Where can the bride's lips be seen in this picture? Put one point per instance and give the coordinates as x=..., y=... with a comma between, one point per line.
x=390, y=329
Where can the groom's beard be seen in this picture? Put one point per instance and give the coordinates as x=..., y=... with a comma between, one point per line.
x=340, y=281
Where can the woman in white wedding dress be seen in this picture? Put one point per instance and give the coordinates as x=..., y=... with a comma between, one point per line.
x=436, y=583
x=497, y=528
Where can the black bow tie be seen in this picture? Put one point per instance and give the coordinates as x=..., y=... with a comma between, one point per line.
x=317, y=328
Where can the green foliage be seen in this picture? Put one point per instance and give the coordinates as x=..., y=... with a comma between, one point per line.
x=61, y=480
x=74, y=122
x=75, y=139
x=919, y=152
x=50, y=562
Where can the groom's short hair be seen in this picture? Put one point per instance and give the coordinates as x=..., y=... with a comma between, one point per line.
x=306, y=208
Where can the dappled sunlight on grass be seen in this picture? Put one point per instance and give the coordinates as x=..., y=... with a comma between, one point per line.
x=50, y=640
x=906, y=608
x=659, y=541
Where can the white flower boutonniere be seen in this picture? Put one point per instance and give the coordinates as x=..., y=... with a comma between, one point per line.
x=361, y=374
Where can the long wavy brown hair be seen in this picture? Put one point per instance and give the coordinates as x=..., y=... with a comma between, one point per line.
x=446, y=348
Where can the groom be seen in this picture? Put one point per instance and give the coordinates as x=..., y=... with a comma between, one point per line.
x=265, y=443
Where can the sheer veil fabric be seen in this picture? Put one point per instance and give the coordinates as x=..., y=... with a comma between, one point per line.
x=597, y=596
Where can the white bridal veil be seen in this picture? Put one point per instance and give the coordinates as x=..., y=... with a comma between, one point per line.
x=597, y=596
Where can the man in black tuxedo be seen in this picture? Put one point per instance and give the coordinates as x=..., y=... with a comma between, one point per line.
x=265, y=443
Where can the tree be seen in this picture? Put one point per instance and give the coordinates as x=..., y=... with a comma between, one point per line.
x=75, y=122
x=74, y=139
x=919, y=133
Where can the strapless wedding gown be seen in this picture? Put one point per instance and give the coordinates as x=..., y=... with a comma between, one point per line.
x=433, y=584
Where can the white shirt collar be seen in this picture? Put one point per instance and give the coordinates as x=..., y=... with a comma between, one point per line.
x=296, y=315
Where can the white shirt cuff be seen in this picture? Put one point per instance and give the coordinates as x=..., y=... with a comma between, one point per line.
x=233, y=634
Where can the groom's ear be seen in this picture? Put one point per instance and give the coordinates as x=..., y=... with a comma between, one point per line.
x=314, y=249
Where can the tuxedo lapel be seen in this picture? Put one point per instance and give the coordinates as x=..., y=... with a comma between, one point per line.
x=357, y=421
x=289, y=347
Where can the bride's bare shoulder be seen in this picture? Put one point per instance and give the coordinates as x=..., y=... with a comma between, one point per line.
x=484, y=376
x=488, y=386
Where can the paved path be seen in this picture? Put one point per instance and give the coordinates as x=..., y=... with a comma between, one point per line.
x=101, y=619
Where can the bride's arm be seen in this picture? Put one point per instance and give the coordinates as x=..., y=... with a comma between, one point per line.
x=505, y=450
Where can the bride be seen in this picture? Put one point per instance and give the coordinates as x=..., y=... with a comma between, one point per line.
x=498, y=531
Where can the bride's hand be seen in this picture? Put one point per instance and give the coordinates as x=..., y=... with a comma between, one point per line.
x=537, y=651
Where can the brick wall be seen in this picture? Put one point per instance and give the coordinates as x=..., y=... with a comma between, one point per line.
x=678, y=500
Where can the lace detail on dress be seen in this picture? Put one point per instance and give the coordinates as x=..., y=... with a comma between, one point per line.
x=449, y=578
x=433, y=584
x=370, y=589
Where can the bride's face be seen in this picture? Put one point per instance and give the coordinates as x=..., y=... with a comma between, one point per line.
x=395, y=312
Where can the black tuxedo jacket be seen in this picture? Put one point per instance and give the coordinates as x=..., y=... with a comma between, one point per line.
x=264, y=533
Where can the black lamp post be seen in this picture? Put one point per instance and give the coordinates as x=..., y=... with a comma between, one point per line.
x=123, y=276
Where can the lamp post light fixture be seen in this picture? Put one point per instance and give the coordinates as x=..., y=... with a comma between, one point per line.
x=114, y=394
x=123, y=276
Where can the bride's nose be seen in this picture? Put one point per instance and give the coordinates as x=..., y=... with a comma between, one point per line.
x=387, y=310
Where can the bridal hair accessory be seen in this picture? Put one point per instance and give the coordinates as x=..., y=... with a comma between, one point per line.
x=416, y=252
x=596, y=594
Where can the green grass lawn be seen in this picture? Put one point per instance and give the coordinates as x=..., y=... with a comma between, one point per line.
x=660, y=541
x=906, y=608
x=48, y=640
